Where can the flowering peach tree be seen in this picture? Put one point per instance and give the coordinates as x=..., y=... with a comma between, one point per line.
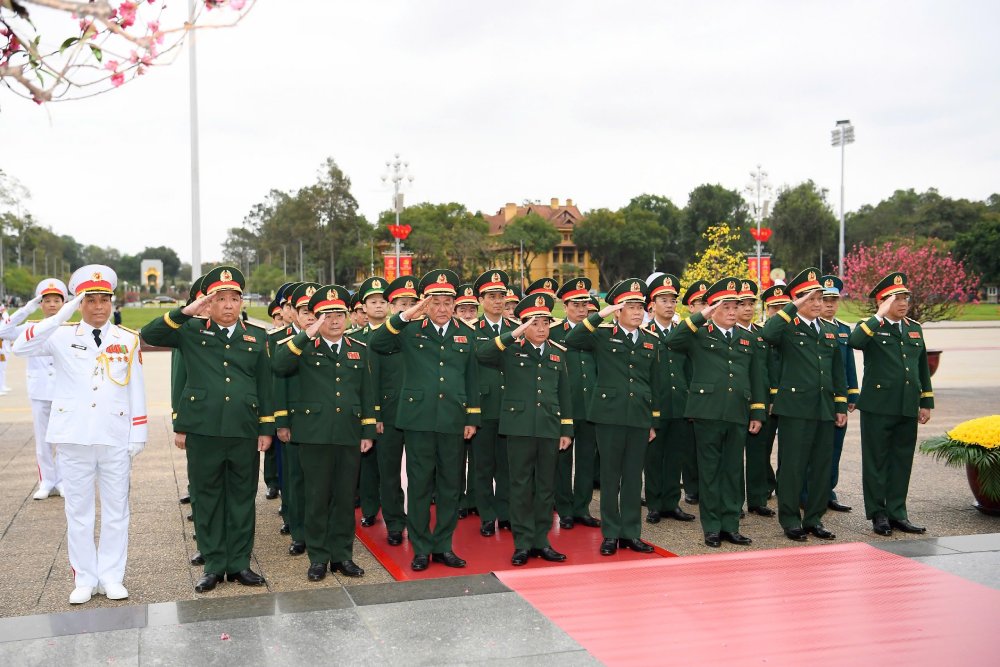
x=940, y=284
x=63, y=49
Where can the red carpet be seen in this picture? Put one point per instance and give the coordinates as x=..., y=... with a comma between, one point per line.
x=492, y=554
x=847, y=604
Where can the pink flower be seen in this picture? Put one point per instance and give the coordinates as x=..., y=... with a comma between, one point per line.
x=133, y=57
x=127, y=12
x=117, y=79
x=111, y=65
x=236, y=5
x=153, y=26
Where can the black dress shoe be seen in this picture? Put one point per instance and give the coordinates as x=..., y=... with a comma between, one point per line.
x=394, y=538
x=566, y=522
x=609, y=546
x=246, y=577
x=907, y=527
x=208, y=582
x=690, y=500
x=838, y=506
x=284, y=530
x=819, y=531
x=317, y=572
x=185, y=500
x=448, y=558
x=880, y=525
x=347, y=567
x=194, y=537
x=652, y=516
x=463, y=513
x=797, y=534
x=635, y=544
x=713, y=540
x=272, y=493
x=520, y=557
x=761, y=511
x=487, y=529
x=503, y=524
x=588, y=521
x=735, y=538
x=296, y=548
x=549, y=554
x=420, y=562
x=197, y=558
x=191, y=516
x=368, y=521
x=677, y=514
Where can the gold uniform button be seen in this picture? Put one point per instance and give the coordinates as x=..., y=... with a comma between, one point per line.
x=227, y=398
x=730, y=375
x=410, y=399
x=317, y=363
x=227, y=346
x=604, y=395
x=228, y=380
x=338, y=409
x=338, y=393
x=440, y=363
x=441, y=379
x=225, y=363
x=631, y=394
x=192, y=398
x=538, y=405
x=307, y=411
x=440, y=395
x=701, y=391
x=730, y=389
x=878, y=386
x=538, y=391
x=538, y=378
x=338, y=364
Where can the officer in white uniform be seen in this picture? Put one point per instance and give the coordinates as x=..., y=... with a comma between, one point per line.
x=50, y=294
x=98, y=422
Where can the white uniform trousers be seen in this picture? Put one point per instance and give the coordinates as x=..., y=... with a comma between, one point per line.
x=81, y=466
x=48, y=470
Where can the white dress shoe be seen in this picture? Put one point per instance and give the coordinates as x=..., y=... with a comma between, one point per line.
x=112, y=591
x=42, y=493
x=58, y=490
x=81, y=594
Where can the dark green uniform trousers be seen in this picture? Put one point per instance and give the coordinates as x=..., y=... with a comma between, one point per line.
x=369, y=484
x=689, y=466
x=224, y=473
x=805, y=449
x=532, y=472
x=838, y=449
x=574, y=492
x=293, y=492
x=433, y=465
x=491, y=464
x=663, y=465
x=720, y=473
x=623, y=453
x=468, y=499
x=271, y=458
x=887, y=445
x=760, y=475
x=329, y=472
x=389, y=450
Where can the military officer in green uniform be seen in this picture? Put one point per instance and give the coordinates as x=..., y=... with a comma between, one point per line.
x=510, y=301
x=177, y=381
x=625, y=406
x=467, y=310
x=726, y=397
x=896, y=395
x=832, y=287
x=489, y=447
x=387, y=372
x=438, y=409
x=286, y=389
x=226, y=415
x=574, y=493
x=272, y=457
x=694, y=301
x=536, y=416
x=811, y=400
x=371, y=295
x=333, y=422
x=466, y=304
x=664, y=455
x=274, y=310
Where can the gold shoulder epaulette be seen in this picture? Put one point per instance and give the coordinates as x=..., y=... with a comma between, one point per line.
x=557, y=345
x=556, y=323
x=471, y=325
x=131, y=331
x=255, y=326
x=69, y=324
x=909, y=321
x=271, y=332
x=607, y=325
x=556, y=320
x=651, y=332
x=359, y=342
x=285, y=340
x=352, y=331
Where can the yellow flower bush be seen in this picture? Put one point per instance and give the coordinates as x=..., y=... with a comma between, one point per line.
x=983, y=431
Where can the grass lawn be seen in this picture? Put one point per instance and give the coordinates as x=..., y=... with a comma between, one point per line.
x=852, y=311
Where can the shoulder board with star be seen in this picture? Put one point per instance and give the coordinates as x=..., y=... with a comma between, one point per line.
x=651, y=330
x=285, y=340
x=909, y=321
x=556, y=323
x=250, y=325
x=556, y=345
x=840, y=322
x=271, y=332
x=460, y=322
x=359, y=342
x=352, y=331
x=606, y=325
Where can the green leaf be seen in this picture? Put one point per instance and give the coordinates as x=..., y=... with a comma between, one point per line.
x=96, y=50
x=70, y=41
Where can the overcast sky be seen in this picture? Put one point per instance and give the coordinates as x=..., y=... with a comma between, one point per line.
x=597, y=101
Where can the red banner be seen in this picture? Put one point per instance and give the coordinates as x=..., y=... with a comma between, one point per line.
x=405, y=264
x=762, y=277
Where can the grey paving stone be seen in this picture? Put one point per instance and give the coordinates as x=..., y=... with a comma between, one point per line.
x=981, y=567
x=119, y=647
x=970, y=543
x=463, y=630
x=427, y=589
x=914, y=548
x=82, y=621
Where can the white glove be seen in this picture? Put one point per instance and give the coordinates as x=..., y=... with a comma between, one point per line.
x=32, y=305
x=134, y=448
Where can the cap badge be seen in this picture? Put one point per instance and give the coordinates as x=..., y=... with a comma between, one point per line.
x=331, y=295
x=97, y=275
x=226, y=275
x=812, y=275
x=547, y=285
x=581, y=285
x=777, y=291
x=468, y=291
x=310, y=290
x=409, y=284
x=495, y=278
x=635, y=286
x=898, y=280
x=731, y=286
x=746, y=287
x=828, y=283
x=377, y=284
x=540, y=301
x=442, y=278
x=668, y=282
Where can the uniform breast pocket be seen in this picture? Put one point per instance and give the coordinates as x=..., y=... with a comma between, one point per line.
x=701, y=388
x=411, y=396
x=460, y=347
x=604, y=393
x=513, y=406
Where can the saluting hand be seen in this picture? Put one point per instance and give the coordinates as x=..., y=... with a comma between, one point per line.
x=197, y=306
x=709, y=309
x=883, y=308
x=607, y=310
x=314, y=327
x=416, y=310
x=799, y=302
x=524, y=325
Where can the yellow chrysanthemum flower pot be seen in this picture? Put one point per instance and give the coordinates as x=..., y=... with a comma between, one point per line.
x=976, y=445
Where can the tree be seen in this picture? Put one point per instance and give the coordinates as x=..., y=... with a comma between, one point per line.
x=805, y=229
x=710, y=205
x=668, y=246
x=939, y=283
x=538, y=235
x=265, y=280
x=100, y=46
x=443, y=235
x=979, y=248
x=617, y=242
x=718, y=260
x=347, y=235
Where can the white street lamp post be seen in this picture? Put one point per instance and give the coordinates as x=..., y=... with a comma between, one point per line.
x=842, y=135
x=397, y=171
x=758, y=187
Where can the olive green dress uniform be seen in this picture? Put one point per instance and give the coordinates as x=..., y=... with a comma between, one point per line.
x=536, y=411
x=812, y=390
x=664, y=457
x=726, y=390
x=274, y=465
x=467, y=502
x=689, y=453
x=334, y=410
x=575, y=492
x=225, y=404
x=369, y=484
x=438, y=398
x=490, y=457
x=896, y=384
x=625, y=405
x=178, y=377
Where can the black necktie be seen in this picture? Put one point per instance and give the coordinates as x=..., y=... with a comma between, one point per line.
x=496, y=329
x=729, y=337
x=816, y=324
x=97, y=337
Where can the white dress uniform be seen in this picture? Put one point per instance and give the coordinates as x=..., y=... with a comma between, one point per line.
x=41, y=384
x=4, y=351
x=98, y=421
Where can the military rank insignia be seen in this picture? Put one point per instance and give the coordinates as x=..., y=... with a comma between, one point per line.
x=250, y=339
x=353, y=355
x=554, y=357
x=117, y=348
x=744, y=341
x=461, y=339
x=830, y=335
x=914, y=334
x=648, y=346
